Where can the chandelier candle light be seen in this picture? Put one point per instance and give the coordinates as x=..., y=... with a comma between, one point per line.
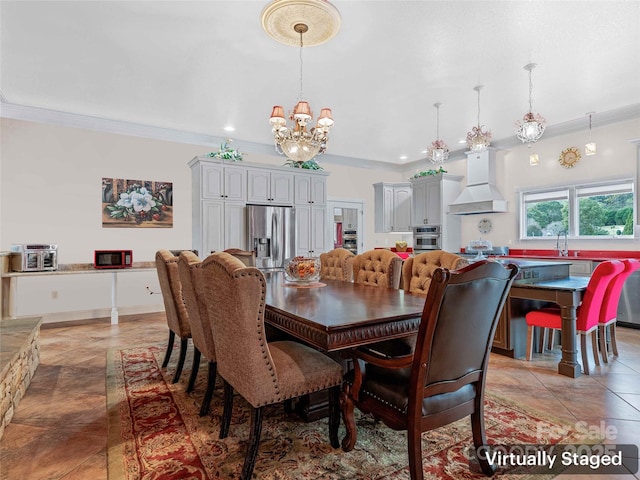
x=531, y=127
x=477, y=139
x=438, y=152
x=281, y=20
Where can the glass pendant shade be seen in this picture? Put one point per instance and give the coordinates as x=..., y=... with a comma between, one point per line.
x=478, y=139
x=531, y=127
x=438, y=151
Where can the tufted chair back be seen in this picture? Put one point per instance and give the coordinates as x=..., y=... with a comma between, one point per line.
x=380, y=268
x=418, y=271
x=337, y=265
x=176, y=310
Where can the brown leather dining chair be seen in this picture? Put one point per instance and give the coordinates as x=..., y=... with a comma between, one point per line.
x=262, y=373
x=175, y=309
x=337, y=264
x=201, y=333
x=380, y=268
x=444, y=379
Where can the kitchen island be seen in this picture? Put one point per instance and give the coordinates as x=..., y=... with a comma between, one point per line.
x=539, y=284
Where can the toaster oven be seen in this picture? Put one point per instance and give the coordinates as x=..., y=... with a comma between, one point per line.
x=34, y=257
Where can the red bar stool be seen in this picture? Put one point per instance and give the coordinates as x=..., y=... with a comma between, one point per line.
x=609, y=311
x=588, y=314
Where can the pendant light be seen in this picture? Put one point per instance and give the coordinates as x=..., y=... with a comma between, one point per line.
x=438, y=151
x=590, y=147
x=531, y=127
x=477, y=139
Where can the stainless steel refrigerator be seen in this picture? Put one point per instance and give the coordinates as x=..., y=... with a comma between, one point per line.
x=271, y=235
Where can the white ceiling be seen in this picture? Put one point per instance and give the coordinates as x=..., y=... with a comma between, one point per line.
x=199, y=66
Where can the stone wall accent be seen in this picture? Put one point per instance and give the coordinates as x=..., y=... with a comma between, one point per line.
x=19, y=361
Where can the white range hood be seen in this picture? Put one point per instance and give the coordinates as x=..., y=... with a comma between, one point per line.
x=481, y=194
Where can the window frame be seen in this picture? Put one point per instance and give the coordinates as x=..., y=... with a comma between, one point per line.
x=576, y=191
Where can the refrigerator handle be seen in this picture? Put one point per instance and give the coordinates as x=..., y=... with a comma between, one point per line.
x=275, y=237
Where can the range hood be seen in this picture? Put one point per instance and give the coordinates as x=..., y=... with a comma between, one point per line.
x=481, y=194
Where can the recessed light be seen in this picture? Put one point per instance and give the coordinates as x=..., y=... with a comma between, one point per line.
x=229, y=128
x=403, y=157
x=462, y=141
x=423, y=151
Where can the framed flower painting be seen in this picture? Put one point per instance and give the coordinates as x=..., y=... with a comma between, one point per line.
x=136, y=203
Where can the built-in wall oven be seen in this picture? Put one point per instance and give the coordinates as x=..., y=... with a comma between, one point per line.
x=350, y=240
x=427, y=238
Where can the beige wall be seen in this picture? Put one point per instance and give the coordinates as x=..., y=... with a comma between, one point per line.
x=50, y=179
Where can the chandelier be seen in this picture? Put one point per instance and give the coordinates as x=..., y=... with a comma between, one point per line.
x=438, y=152
x=531, y=127
x=286, y=21
x=477, y=139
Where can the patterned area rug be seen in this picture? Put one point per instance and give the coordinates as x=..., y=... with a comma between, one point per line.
x=155, y=433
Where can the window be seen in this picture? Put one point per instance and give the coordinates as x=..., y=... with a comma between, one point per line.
x=582, y=211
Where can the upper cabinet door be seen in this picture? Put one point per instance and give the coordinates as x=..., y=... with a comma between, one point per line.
x=282, y=188
x=402, y=208
x=310, y=189
x=212, y=181
x=235, y=184
x=259, y=186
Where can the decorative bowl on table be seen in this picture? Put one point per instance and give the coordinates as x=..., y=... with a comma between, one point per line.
x=302, y=270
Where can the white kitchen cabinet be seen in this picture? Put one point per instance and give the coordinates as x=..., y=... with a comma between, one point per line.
x=267, y=187
x=310, y=189
x=392, y=207
x=431, y=198
x=220, y=181
x=311, y=230
x=223, y=226
x=220, y=192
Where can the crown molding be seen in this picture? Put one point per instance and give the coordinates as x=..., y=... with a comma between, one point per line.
x=75, y=120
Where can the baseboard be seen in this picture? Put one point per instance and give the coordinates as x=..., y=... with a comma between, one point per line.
x=98, y=313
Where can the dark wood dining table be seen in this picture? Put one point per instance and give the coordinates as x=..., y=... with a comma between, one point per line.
x=340, y=315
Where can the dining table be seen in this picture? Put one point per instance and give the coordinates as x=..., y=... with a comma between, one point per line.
x=332, y=315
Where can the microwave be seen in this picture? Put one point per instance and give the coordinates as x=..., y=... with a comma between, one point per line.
x=34, y=257
x=113, y=259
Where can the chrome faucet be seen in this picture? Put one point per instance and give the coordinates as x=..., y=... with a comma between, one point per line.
x=564, y=252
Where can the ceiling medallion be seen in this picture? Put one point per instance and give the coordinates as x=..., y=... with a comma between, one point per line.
x=280, y=17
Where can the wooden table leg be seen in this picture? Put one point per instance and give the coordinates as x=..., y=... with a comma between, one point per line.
x=569, y=365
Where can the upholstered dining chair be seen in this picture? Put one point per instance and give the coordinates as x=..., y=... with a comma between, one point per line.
x=609, y=311
x=201, y=333
x=245, y=256
x=380, y=268
x=587, y=315
x=263, y=373
x=175, y=309
x=444, y=379
x=418, y=271
x=337, y=264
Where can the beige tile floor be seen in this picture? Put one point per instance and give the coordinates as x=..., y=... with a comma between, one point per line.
x=59, y=430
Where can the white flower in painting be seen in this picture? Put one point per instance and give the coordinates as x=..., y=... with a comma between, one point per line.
x=142, y=202
x=125, y=200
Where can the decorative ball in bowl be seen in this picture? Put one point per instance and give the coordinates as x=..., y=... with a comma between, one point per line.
x=302, y=269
